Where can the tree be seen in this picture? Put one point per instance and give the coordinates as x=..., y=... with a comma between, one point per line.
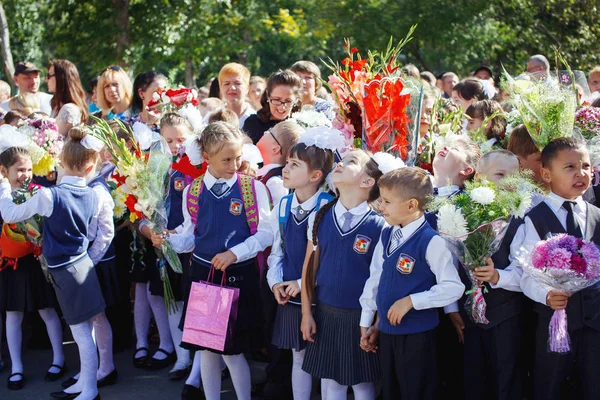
x=9, y=66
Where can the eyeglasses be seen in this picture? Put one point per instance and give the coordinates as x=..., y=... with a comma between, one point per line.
x=49, y=75
x=279, y=103
x=112, y=68
x=273, y=136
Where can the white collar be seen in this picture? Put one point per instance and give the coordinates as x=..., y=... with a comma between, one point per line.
x=308, y=204
x=357, y=211
x=411, y=228
x=556, y=202
x=210, y=180
x=74, y=180
x=447, y=191
x=266, y=168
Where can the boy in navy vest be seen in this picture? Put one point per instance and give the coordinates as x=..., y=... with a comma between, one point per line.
x=566, y=168
x=412, y=274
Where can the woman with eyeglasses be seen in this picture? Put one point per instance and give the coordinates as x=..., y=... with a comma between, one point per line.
x=310, y=75
x=68, y=103
x=279, y=101
x=144, y=86
x=114, y=93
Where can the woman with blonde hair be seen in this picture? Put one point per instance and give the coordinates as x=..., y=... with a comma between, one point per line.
x=68, y=103
x=25, y=102
x=114, y=93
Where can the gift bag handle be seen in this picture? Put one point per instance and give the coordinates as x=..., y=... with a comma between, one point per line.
x=211, y=276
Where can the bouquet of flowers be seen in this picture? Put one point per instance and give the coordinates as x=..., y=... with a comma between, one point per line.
x=564, y=263
x=587, y=119
x=165, y=100
x=310, y=119
x=44, y=133
x=145, y=181
x=474, y=223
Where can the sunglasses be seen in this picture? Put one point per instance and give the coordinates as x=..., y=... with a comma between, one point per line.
x=112, y=68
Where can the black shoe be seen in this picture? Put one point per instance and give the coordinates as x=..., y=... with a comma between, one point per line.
x=178, y=374
x=140, y=362
x=109, y=379
x=16, y=385
x=69, y=382
x=190, y=392
x=54, y=376
x=153, y=363
x=63, y=395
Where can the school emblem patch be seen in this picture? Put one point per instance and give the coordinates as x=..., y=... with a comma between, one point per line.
x=405, y=264
x=179, y=184
x=361, y=244
x=235, y=207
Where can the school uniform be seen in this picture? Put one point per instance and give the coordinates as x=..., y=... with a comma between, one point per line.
x=221, y=225
x=346, y=240
x=271, y=176
x=551, y=370
x=71, y=211
x=409, y=261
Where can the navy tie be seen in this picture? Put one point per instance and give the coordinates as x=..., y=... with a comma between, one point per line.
x=573, y=227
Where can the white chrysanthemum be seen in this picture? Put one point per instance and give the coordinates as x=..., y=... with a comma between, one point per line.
x=310, y=119
x=524, y=205
x=483, y=195
x=323, y=138
x=451, y=221
x=387, y=162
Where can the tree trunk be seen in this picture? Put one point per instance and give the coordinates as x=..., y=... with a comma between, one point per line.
x=189, y=72
x=9, y=66
x=122, y=18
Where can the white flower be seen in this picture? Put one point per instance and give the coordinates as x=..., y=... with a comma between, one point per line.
x=524, y=205
x=483, y=195
x=165, y=99
x=194, y=93
x=155, y=96
x=451, y=221
x=387, y=162
x=189, y=98
x=311, y=119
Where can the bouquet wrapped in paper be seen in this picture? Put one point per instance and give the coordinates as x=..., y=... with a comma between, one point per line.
x=474, y=223
x=567, y=264
x=145, y=176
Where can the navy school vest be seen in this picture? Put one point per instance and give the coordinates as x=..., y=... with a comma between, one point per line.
x=100, y=180
x=405, y=272
x=175, y=199
x=583, y=308
x=344, y=259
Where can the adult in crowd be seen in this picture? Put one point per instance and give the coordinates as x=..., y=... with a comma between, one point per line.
x=538, y=67
x=27, y=79
x=257, y=88
x=449, y=80
x=411, y=70
x=310, y=75
x=594, y=80
x=113, y=95
x=144, y=87
x=92, y=96
x=4, y=91
x=234, y=81
x=279, y=101
x=428, y=77
x=68, y=103
x=484, y=73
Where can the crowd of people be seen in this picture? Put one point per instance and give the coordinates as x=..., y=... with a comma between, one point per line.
x=344, y=282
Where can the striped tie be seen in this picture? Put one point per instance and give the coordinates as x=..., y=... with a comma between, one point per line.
x=219, y=188
x=396, y=240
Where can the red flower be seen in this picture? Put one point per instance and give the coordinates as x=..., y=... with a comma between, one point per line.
x=119, y=178
x=130, y=202
x=353, y=50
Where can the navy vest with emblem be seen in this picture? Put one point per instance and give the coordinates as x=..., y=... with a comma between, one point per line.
x=501, y=304
x=66, y=229
x=405, y=272
x=344, y=259
x=221, y=223
x=175, y=200
x=100, y=180
x=583, y=308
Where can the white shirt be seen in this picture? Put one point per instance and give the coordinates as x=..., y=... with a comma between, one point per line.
x=448, y=289
x=183, y=241
x=43, y=98
x=532, y=289
x=447, y=191
x=274, y=184
x=339, y=210
x=42, y=203
x=104, y=231
x=275, y=260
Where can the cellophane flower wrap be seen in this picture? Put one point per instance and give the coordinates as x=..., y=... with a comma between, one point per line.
x=44, y=133
x=474, y=223
x=146, y=177
x=567, y=264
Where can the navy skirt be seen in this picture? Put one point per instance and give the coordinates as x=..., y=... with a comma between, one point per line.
x=156, y=286
x=109, y=281
x=336, y=353
x=247, y=333
x=25, y=289
x=286, y=331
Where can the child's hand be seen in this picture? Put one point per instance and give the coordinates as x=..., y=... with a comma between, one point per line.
x=369, y=338
x=223, y=260
x=280, y=294
x=557, y=300
x=487, y=273
x=157, y=238
x=458, y=324
x=308, y=328
x=293, y=289
x=399, y=309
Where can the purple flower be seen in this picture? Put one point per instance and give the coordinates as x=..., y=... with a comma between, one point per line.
x=540, y=255
x=559, y=258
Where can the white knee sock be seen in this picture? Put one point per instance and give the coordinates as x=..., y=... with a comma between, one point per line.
x=104, y=341
x=240, y=375
x=183, y=355
x=194, y=376
x=55, y=334
x=87, y=382
x=323, y=389
x=335, y=391
x=301, y=381
x=14, y=338
x=141, y=317
x=364, y=391
x=1, y=330
x=211, y=374
x=159, y=309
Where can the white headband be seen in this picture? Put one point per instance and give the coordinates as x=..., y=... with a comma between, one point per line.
x=387, y=162
x=91, y=142
x=193, y=151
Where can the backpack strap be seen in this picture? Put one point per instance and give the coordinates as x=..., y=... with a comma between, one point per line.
x=323, y=199
x=285, y=207
x=192, y=197
x=246, y=184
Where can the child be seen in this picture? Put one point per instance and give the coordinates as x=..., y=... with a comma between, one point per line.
x=23, y=286
x=453, y=165
x=566, y=168
x=412, y=273
x=72, y=212
x=478, y=112
x=467, y=92
x=497, y=164
x=217, y=229
x=175, y=129
x=342, y=232
x=305, y=172
x=225, y=115
x=274, y=147
x=530, y=157
x=209, y=105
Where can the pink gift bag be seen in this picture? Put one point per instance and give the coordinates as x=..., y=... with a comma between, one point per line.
x=211, y=314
